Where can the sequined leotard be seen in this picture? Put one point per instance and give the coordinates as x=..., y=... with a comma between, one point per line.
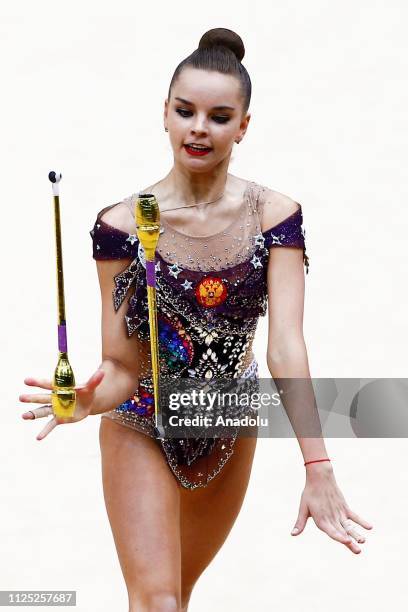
x=211, y=291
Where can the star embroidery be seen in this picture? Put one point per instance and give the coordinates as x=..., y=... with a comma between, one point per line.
x=157, y=268
x=256, y=262
x=98, y=247
x=259, y=240
x=98, y=226
x=174, y=269
x=132, y=239
x=277, y=239
x=187, y=285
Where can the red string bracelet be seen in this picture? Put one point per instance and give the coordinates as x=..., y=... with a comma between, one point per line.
x=316, y=461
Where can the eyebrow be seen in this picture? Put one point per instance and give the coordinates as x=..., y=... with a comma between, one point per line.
x=222, y=107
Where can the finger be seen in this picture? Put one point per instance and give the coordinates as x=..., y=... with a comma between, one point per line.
x=39, y=398
x=352, y=544
x=93, y=381
x=338, y=533
x=334, y=532
x=38, y=413
x=302, y=518
x=49, y=427
x=38, y=382
x=357, y=536
x=354, y=548
x=357, y=519
x=350, y=529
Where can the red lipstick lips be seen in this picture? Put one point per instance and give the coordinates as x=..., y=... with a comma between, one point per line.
x=196, y=152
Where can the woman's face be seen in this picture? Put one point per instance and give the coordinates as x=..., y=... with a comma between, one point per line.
x=191, y=117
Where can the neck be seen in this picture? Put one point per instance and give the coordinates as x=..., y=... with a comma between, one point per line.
x=194, y=188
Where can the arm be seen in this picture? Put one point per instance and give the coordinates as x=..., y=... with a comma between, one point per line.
x=286, y=350
x=288, y=364
x=120, y=360
x=287, y=354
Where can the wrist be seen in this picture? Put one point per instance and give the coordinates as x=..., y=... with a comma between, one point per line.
x=323, y=460
x=319, y=470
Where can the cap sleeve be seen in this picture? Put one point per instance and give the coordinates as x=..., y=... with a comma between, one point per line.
x=109, y=242
x=288, y=233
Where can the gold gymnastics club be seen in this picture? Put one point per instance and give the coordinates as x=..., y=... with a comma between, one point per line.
x=148, y=230
x=63, y=394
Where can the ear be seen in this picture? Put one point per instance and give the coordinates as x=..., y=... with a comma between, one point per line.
x=166, y=110
x=244, y=125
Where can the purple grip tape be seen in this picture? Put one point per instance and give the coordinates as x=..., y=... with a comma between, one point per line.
x=151, y=273
x=62, y=338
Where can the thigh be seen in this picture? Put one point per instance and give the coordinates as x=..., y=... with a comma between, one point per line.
x=208, y=513
x=143, y=504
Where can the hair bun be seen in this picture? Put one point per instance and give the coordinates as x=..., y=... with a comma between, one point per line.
x=223, y=37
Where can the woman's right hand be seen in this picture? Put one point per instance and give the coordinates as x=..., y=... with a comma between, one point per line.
x=84, y=399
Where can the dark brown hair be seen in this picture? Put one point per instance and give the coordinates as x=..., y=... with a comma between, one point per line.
x=220, y=50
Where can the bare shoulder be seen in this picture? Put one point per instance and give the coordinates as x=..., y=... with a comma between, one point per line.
x=120, y=215
x=276, y=207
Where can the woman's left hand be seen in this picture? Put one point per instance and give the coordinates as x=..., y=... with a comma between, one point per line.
x=324, y=502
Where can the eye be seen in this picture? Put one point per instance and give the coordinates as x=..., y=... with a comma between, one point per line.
x=217, y=118
x=221, y=118
x=180, y=111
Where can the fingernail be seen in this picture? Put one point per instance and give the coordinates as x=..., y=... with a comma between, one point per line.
x=295, y=530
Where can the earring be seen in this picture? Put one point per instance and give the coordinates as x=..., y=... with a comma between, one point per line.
x=237, y=141
x=166, y=130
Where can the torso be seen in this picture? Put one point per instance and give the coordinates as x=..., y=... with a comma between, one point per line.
x=212, y=283
x=211, y=289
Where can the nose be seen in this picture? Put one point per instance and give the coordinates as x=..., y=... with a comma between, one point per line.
x=199, y=126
